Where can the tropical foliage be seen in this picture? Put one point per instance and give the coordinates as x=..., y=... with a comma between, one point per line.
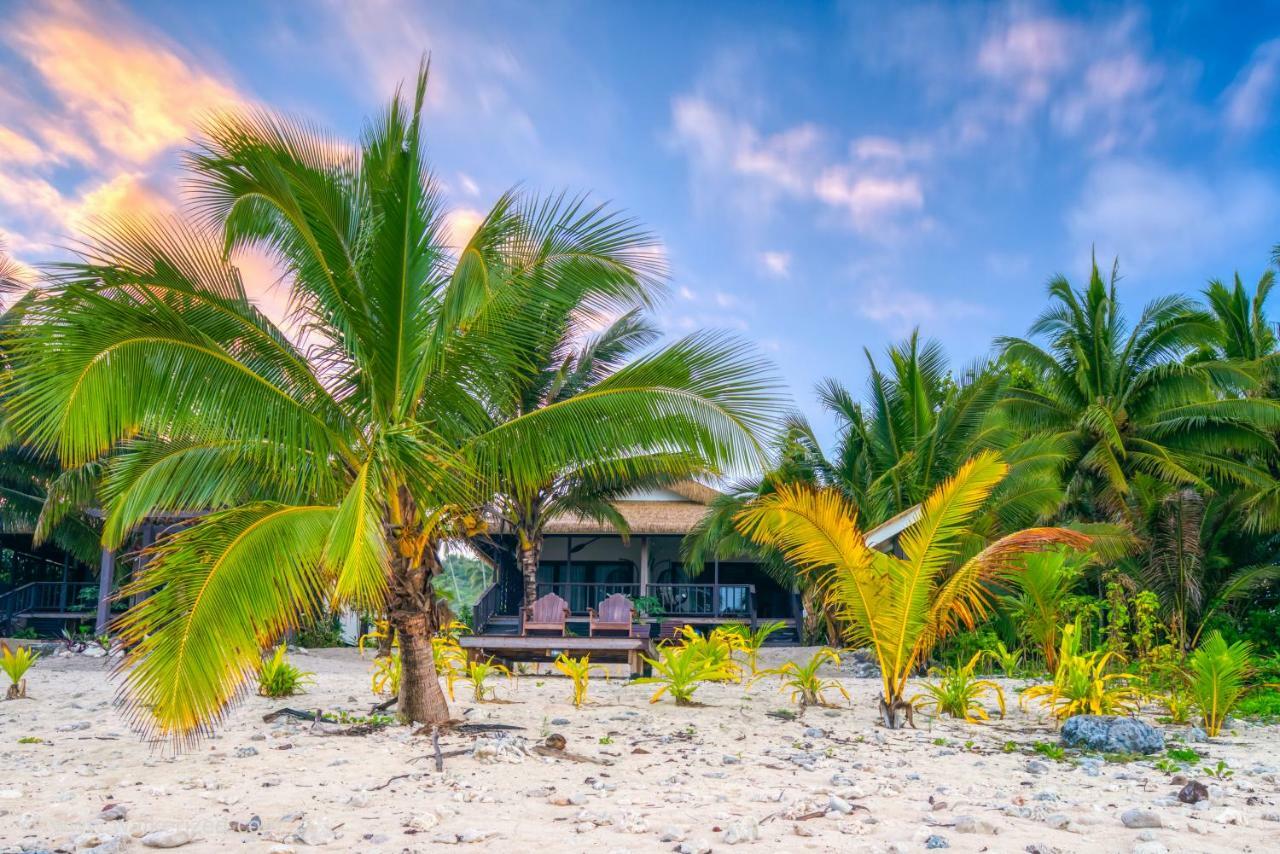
x=1218, y=678
x=278, y=677
x=1082, y=683
x=900, y=607
x=680, y=668
x=807, y=686
x=331, y=471
x=958, y=692
x=578, y=670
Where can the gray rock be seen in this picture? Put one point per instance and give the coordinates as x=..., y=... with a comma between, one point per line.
x=1136, y=818
x=245, y=752
x=730, y=759
x=1041, y=848
x=671, y=834
x=1091, y=766
x=114, y=812
x=814, y=732
x=1112, y=734
x=75, y=726
x=1193, y=792
x=1058, y=821
x=1271, y=816
x=1151, y=846
x=166, y=839
x=738, y=832
x=315, y=831
x=838, y=804
x=1197, y=735
x=696, y=847
x=1035, y=766
x=936, y=841
x=973, y=824
x=560, y=721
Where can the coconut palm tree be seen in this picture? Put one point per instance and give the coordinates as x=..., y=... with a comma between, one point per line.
x=900, y=607
x=574, y=364
x=1124, y=402
x=331, y=470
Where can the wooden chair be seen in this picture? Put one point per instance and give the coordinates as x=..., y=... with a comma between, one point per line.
x=614, y=614
x=547, y=614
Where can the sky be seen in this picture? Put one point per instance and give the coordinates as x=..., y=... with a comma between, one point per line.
x=823, y=177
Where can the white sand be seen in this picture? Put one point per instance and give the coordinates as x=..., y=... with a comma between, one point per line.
x=700, y=771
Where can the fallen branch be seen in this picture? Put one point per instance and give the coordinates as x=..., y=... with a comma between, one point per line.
x=543, y=750
x=435, y=742
x=310, y=717
x=389, y=782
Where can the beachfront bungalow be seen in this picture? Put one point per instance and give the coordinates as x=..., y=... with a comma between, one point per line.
x=584, y=561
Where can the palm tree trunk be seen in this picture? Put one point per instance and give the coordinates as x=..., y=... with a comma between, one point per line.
x=413, y=616
x=529, y=553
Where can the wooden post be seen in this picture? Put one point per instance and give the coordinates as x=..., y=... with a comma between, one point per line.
x=644, y=566
x=62, y=593
x=106, y=575
x=715, y=587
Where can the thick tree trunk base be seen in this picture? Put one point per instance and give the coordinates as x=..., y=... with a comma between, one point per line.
x=421, y=700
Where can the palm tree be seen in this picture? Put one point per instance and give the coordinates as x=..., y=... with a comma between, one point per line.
x=331, y=471
x=901, y=607
x=1242, y=332
x=1124, y=402
x=918, y=424
x=1041, y=595
x=573, y=365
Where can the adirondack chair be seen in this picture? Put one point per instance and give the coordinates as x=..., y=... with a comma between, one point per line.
x=614, y=614
x=547, y=614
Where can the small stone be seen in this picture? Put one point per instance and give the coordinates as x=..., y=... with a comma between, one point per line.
x=671, y=834
x=75, y=726
x=1271, y=816
x=560, y=721
x=246, y=751
x=166, y=839
x=973, y=824
x=835, y=803
x=316, y=831
x=424, y=821
x=1193, y=792
x=802, y=829
x=113, y=812
x=738, y=832
x=1151, y=846
x=1091, y=766
x=814, y=732
x=936, y=841
x=1058, y=821
x=1229, y=816
x=445, y=839
x=1035, y=766
x=729, y=759
x=1136, y=818
x=1197, y=735
x=281, y=848
x=472, y=835
x=1041, y=848
x=696, y=847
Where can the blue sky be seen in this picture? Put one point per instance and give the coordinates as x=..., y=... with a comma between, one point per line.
x=823, y=177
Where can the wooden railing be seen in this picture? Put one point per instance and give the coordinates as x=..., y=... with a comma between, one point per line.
x=48, y=597
x=582, y=595
x=486, y=606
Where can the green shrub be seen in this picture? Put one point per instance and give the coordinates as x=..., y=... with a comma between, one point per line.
x=324, y=633
x=957, y=692
x=1260, y=704
x=278, y=678
x=1219, y=672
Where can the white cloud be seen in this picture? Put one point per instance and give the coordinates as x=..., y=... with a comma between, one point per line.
x=871, y=187
x=459, y=225
x=1247, y=101
x=776, y=263
x=1157, y=218
x=901, y=309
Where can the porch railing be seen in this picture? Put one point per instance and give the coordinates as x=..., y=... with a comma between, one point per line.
x=49, y=597
x=582, y=595
x=676, y=600
x=486, y=606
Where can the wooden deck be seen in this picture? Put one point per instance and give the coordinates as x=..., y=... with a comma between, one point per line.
x=508, y=648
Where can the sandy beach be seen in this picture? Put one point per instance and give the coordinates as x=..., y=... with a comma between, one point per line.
x=723, y=774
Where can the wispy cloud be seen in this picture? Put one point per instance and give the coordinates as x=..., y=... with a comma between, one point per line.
x=776, y=263
x=1248, y=101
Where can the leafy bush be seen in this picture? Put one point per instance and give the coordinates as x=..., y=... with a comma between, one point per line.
x=715, y=650
x=679, y=669
x=807, y=687
x=750, y=641
x=1008, y=660
x=278, y=678
x=1081, y=684
x=957, y=691
x=1260, y=704
x=15, y=663
x=579, y=672
x=1219, y=673
x=323, y=633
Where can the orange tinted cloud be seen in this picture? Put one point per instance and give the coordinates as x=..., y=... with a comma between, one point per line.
x=133, y=95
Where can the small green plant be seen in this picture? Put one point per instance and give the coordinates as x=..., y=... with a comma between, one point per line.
x=15, y=663
x=479, y=674
x=715, y=650
x=940, y=742
x=650, y=606
x=968, y=744
x=1185, y=755
x=1221, y=771
x=579, y=672
x=678, y=670
x=1167, y=765
x=807, y=687
x=1009, y=661
x=750, y=641
x=1050, y=751
x=1218, y=675
x=386, y=675
x=604, y=739
x=957, y=692
x=278, y=678
x=1260, y=704
x=31, y=739
x=1081, y=684
x=1010, y=747
x=26, y=633
x=103, y=641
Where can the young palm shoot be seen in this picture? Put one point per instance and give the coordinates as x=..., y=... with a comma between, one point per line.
x=900, y=607
x=579, y=672
x=958, y=691
x=1081, y=684
x=479, y=674
x=1218, y=675
x=808, y=687
x=387, y=671
x=750, y=641
x=679, y=670
x=15, y=663
x=278, y=678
